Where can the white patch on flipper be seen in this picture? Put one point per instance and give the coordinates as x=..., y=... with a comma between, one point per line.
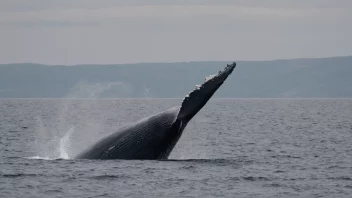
x=209, y=77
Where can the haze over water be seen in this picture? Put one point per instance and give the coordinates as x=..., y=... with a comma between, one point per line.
x=233, y=147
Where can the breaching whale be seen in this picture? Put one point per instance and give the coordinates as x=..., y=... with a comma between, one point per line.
x=154, y=137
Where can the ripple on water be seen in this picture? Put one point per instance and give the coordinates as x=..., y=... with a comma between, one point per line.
x=236, y=148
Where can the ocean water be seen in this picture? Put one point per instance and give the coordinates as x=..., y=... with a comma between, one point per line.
x=232, y=148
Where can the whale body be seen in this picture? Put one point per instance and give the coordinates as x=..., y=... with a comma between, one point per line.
x=154, y=137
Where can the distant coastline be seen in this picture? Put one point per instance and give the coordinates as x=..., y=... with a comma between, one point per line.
x=285, y=78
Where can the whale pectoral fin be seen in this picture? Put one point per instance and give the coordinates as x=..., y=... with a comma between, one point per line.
x=195, y=100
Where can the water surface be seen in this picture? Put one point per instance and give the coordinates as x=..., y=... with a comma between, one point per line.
x=232, y=148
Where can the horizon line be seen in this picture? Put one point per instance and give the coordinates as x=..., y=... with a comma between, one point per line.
x=238, y=98
x=170, y=62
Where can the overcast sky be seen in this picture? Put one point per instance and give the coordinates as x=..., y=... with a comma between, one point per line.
x=99, y=32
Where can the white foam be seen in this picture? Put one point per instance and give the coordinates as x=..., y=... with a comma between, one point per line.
x=39, y=158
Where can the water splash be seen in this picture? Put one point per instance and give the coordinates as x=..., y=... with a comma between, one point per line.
x=52, y=147
x=54, y=138
x=65, y=144
x=46, y=141
x=39, y=158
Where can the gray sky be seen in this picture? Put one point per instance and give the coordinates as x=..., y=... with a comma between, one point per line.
x=100, y=32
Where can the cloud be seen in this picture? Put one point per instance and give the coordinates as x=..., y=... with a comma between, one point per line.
x=71, y=16
x=110, y=31
x=25, y=5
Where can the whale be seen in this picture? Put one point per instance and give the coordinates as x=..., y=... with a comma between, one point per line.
x=154, y=137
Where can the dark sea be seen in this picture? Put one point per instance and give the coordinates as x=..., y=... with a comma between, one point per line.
x=232, y=148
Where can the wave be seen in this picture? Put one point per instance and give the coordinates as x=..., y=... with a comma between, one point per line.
x=20, y=175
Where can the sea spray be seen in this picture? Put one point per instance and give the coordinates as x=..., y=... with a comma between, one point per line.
x=65, y=144
x=57, y=132
x=46, y=140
